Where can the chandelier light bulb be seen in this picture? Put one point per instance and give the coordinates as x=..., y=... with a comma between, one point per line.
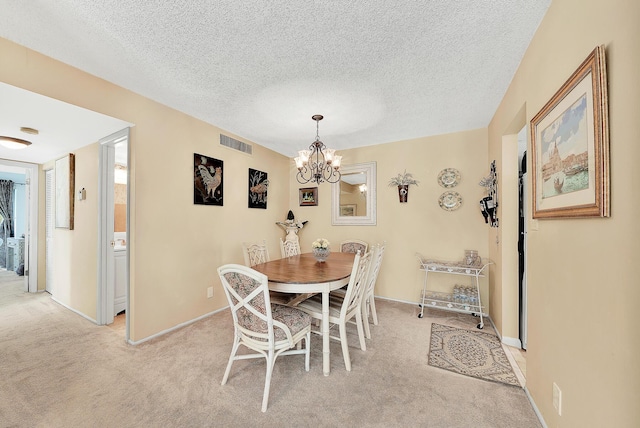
x=337, y=160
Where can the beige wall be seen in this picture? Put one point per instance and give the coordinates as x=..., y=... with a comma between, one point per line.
x=175, y=246
x=419, y=225
x=74, y=273
x=583, y=288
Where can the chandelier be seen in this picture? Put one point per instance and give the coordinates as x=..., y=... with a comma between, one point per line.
x=319, y=163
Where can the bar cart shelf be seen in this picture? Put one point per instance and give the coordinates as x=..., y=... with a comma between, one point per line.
x=446, y=301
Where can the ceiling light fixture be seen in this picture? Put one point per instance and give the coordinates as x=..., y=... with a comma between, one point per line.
x=14, y=143
x=319, y=163
x=28, y=130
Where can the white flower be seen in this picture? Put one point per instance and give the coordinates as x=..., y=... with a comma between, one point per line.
x=320, y=243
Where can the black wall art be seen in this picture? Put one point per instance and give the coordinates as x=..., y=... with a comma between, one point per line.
x=207, y=180
x=258, y=184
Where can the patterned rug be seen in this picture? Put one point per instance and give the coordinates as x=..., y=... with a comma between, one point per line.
x=472, y=353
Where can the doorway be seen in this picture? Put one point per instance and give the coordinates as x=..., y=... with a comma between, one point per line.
x=113, y=241
x=522, y=235
x=24, y=243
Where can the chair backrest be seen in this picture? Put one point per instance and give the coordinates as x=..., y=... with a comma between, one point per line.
x=353, y=245
x=255, y=253
x=247, y=291
x=357, y=284
x=289, y=248
x=374, y=267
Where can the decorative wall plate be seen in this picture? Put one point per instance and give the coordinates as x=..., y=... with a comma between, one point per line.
x=449, y=177
x=450, y=201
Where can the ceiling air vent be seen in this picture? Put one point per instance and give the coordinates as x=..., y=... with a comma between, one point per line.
x=235, y=144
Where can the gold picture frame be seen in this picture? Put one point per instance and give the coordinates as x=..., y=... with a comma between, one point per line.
x=570, y=144
x=308, y=196
x=65, y=171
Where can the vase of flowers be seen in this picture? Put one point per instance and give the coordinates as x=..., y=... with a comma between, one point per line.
x=320, y=249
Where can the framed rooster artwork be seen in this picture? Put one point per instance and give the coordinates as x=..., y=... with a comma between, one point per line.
x=207, y=180
x=258, y=184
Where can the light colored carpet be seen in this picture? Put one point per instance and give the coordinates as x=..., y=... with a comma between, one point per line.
x=470, y=352
x=59, y=370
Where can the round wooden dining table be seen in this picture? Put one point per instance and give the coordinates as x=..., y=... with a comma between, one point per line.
x=303, y=274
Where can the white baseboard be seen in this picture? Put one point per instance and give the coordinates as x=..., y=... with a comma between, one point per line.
x=509, y=341
x=174, y=328
x=397, y=300
x=74, y=310
x=512, y=341
x=535, y=408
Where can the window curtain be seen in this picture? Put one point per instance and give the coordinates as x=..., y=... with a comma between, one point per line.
x=6, y=210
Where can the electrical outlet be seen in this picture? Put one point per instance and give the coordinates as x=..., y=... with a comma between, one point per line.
x=209, y=292
x=557, y=398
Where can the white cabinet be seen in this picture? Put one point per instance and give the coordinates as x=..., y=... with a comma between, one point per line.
x=15, y=253
x=120, y=278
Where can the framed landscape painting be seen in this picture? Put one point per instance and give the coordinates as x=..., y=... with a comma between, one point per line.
x=570, y=144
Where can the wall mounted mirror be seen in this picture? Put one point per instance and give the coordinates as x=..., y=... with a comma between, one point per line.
x=353, y=198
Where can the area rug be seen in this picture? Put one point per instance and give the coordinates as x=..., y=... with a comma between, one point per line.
x=472, y=353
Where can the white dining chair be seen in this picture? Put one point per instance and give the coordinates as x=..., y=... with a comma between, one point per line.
x=341, y=311
x=353, y=246
x=269, y=329
x=289, y=248
x=255, y=253
x=368, y=298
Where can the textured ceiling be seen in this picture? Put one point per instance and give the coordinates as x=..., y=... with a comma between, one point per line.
x=379, y=71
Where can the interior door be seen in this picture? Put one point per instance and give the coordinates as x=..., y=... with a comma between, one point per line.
x=108, y=160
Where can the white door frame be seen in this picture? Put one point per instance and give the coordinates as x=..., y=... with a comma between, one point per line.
x=106, y=289
x=31, y=234
x=48, y=232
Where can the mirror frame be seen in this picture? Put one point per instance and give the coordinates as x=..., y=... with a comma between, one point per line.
x=369, y=169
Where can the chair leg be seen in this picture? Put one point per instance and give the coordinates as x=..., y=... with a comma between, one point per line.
x=365, y=319
x=307, y=342
x=267, y=382
x=345, y=346
x=374, y=314
x=234, y=349
x=363, y=344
